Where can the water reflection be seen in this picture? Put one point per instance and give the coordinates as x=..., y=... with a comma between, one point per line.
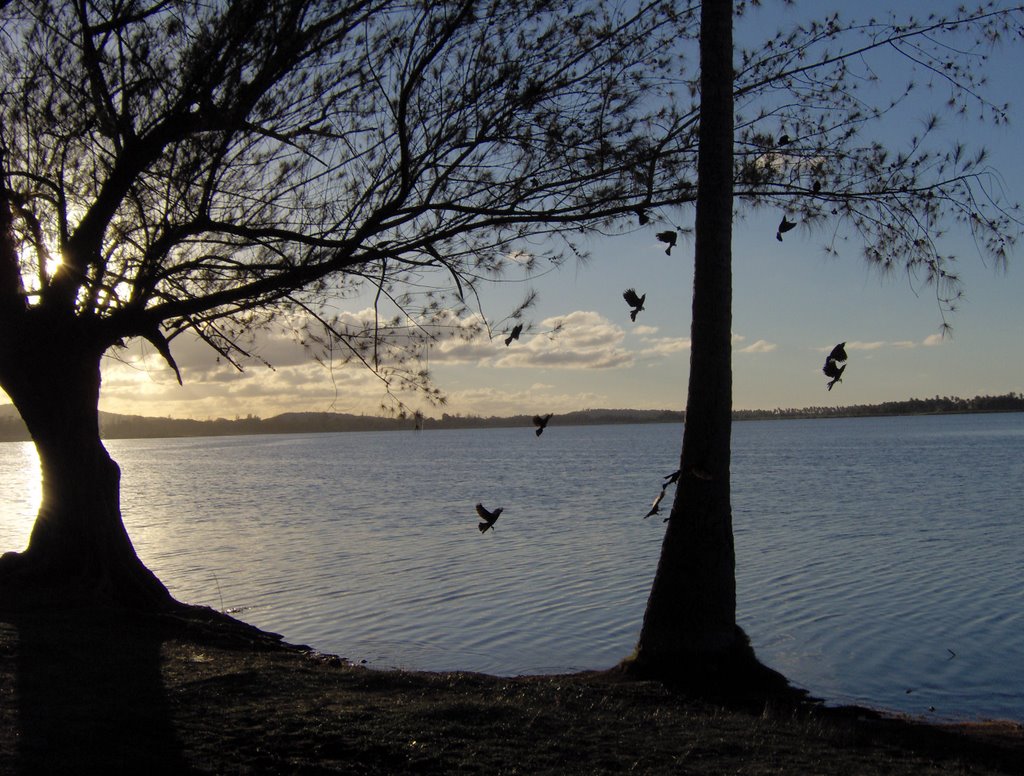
x=363, y=544
x=20, y=493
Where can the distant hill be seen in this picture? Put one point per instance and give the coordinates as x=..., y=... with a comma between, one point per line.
x=136, y=426
x=114, y=426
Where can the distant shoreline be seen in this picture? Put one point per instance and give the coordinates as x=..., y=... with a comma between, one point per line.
x=114, y=426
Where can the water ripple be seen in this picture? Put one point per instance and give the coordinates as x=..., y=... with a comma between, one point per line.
x=878, y=560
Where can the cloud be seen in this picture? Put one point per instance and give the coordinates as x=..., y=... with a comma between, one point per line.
x=929, y=341
x=761, y=346
x=225, y=392
x=284, y=343
x=782, y=162
x=862, y=346
x=473, y=351
x=645, y=331
x=141, y=383
x=520, y=257
x=580, y=340
x=488, y=401
x=665, y=346
x=461, y=340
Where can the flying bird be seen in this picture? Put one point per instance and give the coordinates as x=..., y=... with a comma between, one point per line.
x=634, y=301
x=514, y=335
x=654, y=506
x=489, y=518
x=541, y=422
x=836, y=373
x=669, y=237
x=832, y=368
x=784, y=226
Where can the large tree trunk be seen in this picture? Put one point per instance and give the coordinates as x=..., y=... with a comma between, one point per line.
x=689, y=627
x=78, y=546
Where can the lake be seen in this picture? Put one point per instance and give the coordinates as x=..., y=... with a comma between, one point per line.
x=879, y=560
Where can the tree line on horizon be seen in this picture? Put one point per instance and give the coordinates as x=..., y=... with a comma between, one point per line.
x=937, y=405
x=115, y=426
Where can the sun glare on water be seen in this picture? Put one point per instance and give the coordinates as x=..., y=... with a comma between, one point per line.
x=20, y=495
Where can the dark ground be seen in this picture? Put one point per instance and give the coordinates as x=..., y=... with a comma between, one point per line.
x=89, y=691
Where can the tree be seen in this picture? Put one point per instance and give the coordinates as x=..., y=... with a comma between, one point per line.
x=691, y=613
x=898, y=204
x=176, y=166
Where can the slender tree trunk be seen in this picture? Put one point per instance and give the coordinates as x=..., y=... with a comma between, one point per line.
x=690, y=621
x=78, y=545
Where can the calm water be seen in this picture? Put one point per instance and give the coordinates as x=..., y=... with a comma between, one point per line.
x=879, y=561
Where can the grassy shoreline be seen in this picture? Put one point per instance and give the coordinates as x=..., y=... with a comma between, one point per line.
x=94, y=690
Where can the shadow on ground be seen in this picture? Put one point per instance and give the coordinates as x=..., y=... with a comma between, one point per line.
x=90, y=700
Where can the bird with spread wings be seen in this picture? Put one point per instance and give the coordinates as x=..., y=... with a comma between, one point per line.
x=634, y=301
x=489, y=518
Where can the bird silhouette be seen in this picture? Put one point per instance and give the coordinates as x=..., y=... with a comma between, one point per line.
x=641, y=216
x=784, y=226
x=489, y=518
x=669, y=237
x=541, y=422
x=514, y=334
x=836, y=373
x=832, y=368
x=784, y=140
x=671, y=478
x=654, y=506
x=838, y=353
x=634, y=301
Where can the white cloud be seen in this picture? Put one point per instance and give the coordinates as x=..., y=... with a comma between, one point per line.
x=645, y=331
x=864, y=345
x=580, y=340
x=665, y=346
x=761, y=346
x=933, y=340
x=520, y=257
x=462, y=340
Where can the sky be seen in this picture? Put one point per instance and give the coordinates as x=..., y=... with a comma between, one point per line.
x=792, y=303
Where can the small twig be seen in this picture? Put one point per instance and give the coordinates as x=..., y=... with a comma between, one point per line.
x=219, y=595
